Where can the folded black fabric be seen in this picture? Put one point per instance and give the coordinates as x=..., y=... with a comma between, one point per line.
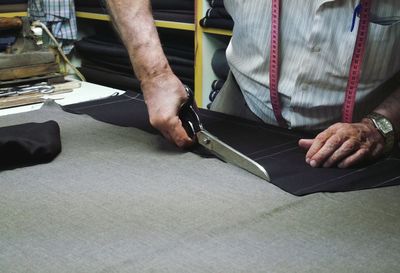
x=219, y=64
x=217, y=23
x=216, y=3
x=173, y=4
x=110, y=78
x=217, y=13
x=11, y=2
x=217, y=84
x=274, y=148
x=29, y=144
x=174, y=16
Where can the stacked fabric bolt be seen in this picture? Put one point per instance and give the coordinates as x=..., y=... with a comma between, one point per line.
x=13, y=5
x=105, y=60
x=217, y=16
x=220, y=67
x=172, y=10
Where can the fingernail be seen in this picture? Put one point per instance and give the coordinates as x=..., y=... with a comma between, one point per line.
x=313, y=163
x=308, y=160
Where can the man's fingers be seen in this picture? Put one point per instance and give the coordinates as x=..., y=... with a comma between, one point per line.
x=305, y=143
x=325, y=150
x=347, y=149
x=317, y=144
x=179, y=135
x=355, y=158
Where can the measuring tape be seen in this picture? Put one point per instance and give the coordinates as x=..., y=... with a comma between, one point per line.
x=355, y=68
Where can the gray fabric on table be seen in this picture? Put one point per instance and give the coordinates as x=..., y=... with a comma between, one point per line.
x=121, y=200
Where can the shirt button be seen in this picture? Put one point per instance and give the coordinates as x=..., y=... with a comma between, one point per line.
x=316, y=49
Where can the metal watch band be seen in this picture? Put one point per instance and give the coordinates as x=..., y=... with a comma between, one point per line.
x=385, y=128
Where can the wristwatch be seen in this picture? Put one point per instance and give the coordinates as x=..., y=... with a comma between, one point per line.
x=385, y=128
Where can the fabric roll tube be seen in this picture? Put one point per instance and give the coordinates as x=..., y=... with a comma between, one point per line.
x=173, y=4
x=217, y=13
x=217, y=23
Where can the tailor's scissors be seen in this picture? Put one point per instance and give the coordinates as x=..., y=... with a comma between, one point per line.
x=194, y=128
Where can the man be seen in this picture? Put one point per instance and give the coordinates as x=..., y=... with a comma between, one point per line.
x=316, y=52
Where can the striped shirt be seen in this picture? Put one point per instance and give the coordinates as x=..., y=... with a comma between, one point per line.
x=59, y=16
x=316, y=50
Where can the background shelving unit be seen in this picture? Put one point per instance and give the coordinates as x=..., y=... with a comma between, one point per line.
x=14, y=14
x=207, y=40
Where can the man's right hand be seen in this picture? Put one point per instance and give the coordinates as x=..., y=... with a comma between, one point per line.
x=164, y=94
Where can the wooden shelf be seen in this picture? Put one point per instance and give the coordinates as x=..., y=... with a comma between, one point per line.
x=159, y=23
x=14, y=14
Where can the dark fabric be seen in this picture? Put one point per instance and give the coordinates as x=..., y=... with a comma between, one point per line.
x=105, y=59
x=174, y=16
x=217, y=84
x=217, y=13
x=219, y=64
x=217, y=23
x=88, y=3
x=110, y=78
x=116, y=79
x=29, y=144
x=173, y=4
x=5, y=41
x=94, y=46
x=216, y=3
x=274, y=148
x=12, y=2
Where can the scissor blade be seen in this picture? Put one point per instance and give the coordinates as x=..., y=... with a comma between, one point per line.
x=230, y=155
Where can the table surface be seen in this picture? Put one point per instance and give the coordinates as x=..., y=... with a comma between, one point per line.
x=118, y=199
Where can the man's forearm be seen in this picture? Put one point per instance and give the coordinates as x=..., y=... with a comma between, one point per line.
x=134, y=21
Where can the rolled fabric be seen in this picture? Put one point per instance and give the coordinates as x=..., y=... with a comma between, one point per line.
x=29, y=144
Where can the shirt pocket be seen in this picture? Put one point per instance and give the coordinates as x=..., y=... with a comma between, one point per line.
x=382, y=58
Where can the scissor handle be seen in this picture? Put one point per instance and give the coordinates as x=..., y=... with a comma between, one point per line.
x=188, y=115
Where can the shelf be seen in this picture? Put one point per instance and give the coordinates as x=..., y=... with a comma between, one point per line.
x=159, y=23
x=14, y=14
x=217, y=31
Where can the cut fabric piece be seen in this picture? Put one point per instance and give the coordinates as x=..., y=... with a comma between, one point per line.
x=29, y=144
x=274, y=148
x=59, y=17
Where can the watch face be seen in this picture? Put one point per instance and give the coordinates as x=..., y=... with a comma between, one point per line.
x=384, y=125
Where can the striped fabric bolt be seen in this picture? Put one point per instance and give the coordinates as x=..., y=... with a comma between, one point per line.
x=60, y=18
x=316, y=49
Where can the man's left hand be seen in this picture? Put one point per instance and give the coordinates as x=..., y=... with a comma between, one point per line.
x=344, y=145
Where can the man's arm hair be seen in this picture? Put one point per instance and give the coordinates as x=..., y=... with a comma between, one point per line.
x=135, y=24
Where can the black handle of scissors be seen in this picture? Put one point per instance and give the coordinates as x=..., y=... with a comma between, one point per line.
x=188, y=115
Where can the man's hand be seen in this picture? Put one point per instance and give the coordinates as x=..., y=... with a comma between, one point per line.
x=164, y=94
x=344, y=145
